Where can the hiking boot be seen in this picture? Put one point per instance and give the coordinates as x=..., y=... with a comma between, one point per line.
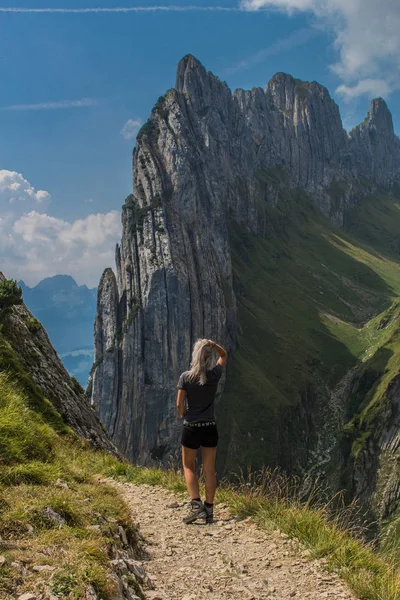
x=196, y=511
x=210, y=514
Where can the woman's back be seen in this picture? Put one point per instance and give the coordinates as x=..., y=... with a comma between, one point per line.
x=199, y=401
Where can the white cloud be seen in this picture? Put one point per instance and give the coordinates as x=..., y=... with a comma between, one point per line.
x=14, y=187
x=131, y=128
x=372, y=87
x=34, y=244
x=365, y=37
x=62, y=104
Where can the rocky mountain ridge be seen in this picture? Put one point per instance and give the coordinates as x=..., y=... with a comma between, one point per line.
x=224, y=182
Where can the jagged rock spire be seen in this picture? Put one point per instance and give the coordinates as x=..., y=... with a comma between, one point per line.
x=380, y=116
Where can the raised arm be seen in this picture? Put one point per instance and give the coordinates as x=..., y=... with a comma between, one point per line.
x=180, y=402
x=223, y=355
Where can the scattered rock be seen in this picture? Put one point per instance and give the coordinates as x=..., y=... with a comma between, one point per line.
x=173, y=505
x=41, y=568
x=48, y=594
x=136, y=568
x=119, y=566
x=90, y=593
x=2, y=560
x=122, y=535
x=27, y=596
x=62, y=484
x=51, y=515
x=29, y=528
x=94, y=528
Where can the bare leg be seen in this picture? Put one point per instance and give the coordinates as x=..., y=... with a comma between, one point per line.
x=208, y=455
x=189, y=469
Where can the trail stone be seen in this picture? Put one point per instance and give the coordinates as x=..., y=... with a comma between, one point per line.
x=122, y=535
x=42, y=568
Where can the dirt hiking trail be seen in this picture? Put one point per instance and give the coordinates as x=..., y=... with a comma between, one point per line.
x=231, y=559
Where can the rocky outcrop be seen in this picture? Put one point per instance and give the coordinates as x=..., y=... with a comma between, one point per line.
x=375, y=149
x=38, y=360
x=376, y=472
x=205, y=160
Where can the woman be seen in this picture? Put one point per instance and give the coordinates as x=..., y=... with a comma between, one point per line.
x=195, y=402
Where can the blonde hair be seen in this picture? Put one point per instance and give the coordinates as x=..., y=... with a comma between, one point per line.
x=202, y=361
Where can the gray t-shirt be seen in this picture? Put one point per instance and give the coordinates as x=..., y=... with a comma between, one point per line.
x=199, y=401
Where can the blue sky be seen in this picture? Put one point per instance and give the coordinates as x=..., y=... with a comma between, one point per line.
x=71, y=81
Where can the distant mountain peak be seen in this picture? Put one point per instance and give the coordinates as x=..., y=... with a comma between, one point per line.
x=59, y=282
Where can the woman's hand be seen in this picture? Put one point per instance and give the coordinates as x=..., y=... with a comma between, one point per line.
x=223, y=355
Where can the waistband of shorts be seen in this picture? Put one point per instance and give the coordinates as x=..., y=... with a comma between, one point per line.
x=200, y=423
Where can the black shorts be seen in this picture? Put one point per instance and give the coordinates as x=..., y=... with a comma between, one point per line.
x=196, y=435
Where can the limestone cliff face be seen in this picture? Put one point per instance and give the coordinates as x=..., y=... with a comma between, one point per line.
x=376, y=473
x=42, y=364
x=200, y=164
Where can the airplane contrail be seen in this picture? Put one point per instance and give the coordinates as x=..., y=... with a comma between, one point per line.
x=129, y=9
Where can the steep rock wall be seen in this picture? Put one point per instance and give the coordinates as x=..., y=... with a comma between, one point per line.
x=199, y=164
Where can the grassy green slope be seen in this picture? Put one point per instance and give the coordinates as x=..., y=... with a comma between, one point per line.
x=311, y=303
x=10, y=363
x=44, y=464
